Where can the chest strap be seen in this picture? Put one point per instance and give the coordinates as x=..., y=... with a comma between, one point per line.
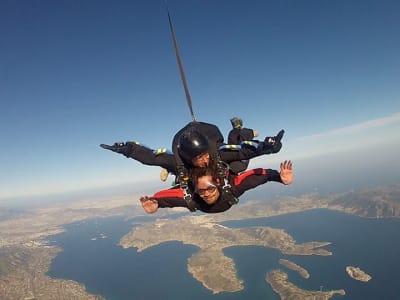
x=227, y=193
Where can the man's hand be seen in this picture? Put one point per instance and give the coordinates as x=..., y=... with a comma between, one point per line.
x=150, y=205
x=286, y=172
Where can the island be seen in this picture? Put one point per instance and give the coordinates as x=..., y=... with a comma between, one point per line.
x=295, y=267
x=286, y=290
x=358, y=274
x=209, y=265
x=25, y=256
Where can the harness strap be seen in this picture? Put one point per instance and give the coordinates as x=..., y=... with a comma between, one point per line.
x=183, y=179
x=227, y=193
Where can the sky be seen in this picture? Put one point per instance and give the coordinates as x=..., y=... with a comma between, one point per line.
x=75, y=74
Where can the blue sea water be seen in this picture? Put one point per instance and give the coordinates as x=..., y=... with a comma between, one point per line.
x=92, y=257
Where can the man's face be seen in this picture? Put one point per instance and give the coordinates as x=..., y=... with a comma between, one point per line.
x=201, y=160
x=207, y=189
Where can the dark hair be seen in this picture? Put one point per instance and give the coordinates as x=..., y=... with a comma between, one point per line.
x=210, y=170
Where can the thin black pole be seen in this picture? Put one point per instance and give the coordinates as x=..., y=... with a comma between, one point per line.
x=180, y=65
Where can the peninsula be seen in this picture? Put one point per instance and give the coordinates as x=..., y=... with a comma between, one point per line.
x=295, y=267
x=278, y=281
x=209, y=265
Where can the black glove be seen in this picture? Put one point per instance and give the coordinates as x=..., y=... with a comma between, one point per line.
x=274, y=143
x=123, y=148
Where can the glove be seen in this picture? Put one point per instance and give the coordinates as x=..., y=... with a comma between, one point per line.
x=123, y=148
x=275, y=142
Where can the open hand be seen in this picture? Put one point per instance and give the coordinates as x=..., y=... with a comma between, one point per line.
x=150, y=205
x=286, y=172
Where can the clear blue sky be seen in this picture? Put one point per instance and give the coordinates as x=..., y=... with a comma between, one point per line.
x=74, y=74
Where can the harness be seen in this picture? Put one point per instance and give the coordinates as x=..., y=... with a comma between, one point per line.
x=226, y=190
x=182, y=177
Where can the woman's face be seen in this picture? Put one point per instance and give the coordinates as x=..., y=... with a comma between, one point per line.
x=201, y=160
x=207, y=189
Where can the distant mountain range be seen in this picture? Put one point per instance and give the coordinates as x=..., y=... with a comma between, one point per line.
x=377, y=202
x=11, y=213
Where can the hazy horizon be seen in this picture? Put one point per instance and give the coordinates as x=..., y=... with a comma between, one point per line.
x=78, y=74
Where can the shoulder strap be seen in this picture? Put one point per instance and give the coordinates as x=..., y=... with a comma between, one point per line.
x=183, y=179
x=227, y=193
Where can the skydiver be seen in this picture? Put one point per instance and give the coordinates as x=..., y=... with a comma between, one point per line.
x=192, y=150
x=236, y=136
x=195, y=149
x=208, y=196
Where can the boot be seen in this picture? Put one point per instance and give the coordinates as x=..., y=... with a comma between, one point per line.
x=236, y=123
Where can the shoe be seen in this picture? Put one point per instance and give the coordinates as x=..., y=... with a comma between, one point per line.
x=236, y=123
x=164, y=174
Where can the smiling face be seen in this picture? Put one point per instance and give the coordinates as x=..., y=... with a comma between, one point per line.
x=207, y=189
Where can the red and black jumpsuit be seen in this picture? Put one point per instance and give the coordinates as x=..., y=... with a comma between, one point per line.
x=240, y=184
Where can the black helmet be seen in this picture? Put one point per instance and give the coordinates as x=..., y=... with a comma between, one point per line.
x=191, y=144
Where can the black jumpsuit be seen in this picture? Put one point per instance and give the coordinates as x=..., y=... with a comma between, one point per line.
x=167, y=161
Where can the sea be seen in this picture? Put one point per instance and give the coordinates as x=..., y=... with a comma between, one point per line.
x=91, y=255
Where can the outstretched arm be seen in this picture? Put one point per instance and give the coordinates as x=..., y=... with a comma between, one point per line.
x=253, y=178
x=162, y=199
x=143, y=154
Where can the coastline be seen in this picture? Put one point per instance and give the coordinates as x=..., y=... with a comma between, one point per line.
x=32, y=230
